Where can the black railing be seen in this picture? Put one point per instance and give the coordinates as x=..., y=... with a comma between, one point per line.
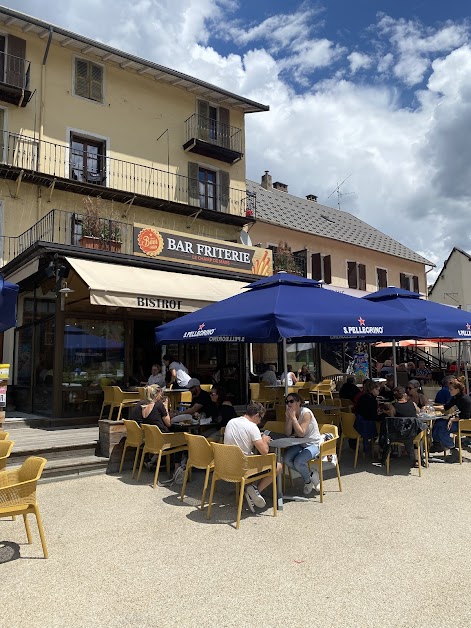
x=89, y=169
x=14, y=71
x=214, y=132
x=287, y=262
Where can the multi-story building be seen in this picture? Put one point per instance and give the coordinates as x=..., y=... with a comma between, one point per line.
x=122, y=201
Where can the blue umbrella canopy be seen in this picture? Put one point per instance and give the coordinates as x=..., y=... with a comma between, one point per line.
x=291, y=307
x=8, y=299
x=442, y=321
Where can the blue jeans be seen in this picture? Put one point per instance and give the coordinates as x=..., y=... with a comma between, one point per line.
x=440, y=432
x=297, y=457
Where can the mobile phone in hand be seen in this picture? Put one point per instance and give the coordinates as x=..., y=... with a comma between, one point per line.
x=267, y=432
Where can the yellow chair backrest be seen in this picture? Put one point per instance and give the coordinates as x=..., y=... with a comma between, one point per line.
x=108, y=394
x=134, y=433
x=254, y=391
x=120, y=395
x=345, y=403
x=200, y=453
x=140, y=390
x=4, y=435
x=329, y=447
x=280, y=412
x=347, y=420
x=154, y=438
x=230, y=463
x=275, y=426
x=270, y=394
x=332, y=402
x=322, y=416
x=465, y=425
x=5, y=450
x=30, y=471
x=206, y=387
x=186, y=397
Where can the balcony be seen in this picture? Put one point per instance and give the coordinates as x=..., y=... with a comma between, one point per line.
x=14, y=80
x=210, y=138
x=94, y=174
x=289, y=262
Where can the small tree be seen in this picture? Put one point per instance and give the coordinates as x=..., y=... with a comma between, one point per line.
x=283, y=259
x=95, y=226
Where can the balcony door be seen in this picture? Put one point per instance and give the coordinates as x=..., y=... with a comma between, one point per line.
x=207, y=188
x=87, y=160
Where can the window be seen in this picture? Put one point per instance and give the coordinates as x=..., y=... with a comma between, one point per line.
x=207, y=188
x=356, y=274
x=409, y=282
x=213, y=123
x=87, y=160
x=381, y=278
x=44, y=308
x=321, y=267
x=88, y=80
x=12, y=60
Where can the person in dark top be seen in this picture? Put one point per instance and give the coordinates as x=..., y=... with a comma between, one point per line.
x=442, y=428
x=305, y=376
x=349, y=390
x=414, y=393
x=200, y=399
x=152, y=410
x=403, y=406
x=224, y=410
x=366, y=412
x=443, y=396
x=361, y=392
x=386, y=390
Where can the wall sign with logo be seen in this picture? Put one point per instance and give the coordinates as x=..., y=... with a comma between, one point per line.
x=174, y=246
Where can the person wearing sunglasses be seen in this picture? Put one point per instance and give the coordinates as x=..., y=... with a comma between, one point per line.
x=300, y=422
x=414, y=394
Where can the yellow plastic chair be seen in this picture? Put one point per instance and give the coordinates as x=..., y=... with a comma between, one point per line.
x=346, y=403
x=206, y=387
x=328, y=448
x=122, y=400
x=107, y=400
x=275, y=426
x=4, y=435
x=324, y=390
x=140, y=390
x=163, y=444
x=421, y=437
x=254, y=392
x=322, y=417
x=134, y=438
x=347, y=421
x=200, y=456
x=464, y=429
x=231, y=465
x=18, y=494
x=337, y=402
x=5, y=450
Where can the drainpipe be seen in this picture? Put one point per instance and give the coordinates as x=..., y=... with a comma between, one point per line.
x=42, y=106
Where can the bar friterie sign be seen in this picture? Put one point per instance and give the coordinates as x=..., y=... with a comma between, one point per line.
x=174, y=246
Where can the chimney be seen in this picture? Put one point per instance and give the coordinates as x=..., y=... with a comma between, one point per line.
x=281, y=187
x=312, y=197
x=267, y=181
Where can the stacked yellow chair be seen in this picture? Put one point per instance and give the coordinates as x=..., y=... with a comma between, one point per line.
x=5, y=450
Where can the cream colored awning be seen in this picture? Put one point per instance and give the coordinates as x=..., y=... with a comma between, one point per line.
x=144, y=288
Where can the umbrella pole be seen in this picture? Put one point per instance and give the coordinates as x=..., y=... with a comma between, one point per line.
x=459, y=358
x=466, y=362
x=370, y=366
x=285, y=365
x=394, y=362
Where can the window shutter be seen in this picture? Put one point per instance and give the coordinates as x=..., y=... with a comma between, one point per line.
x=96, y=82
x=362, y=276
x=15, y=70
x=193, y=195
x=352, y=275
x=402, y=281
x=224, y=132
x=382, y=278
x=224, y=182
x=203, y=120
x=81, y=78
x=327, y=269
x=415, y=281
x=316, y=270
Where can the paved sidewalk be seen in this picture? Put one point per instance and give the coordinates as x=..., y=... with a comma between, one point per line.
x=386, y=552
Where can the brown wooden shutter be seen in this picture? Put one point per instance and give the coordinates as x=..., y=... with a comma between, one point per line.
x=327, y=269
x=352, y=275
x=402, y=281
x=224, y=131
x=193, y=195
x=415, y=281
x=224, y=183
x=362, y=276
x=316, y=270
x=81, y=78
x=382, y=278
x=15, y=66
x=203, y=120
x=96, y=82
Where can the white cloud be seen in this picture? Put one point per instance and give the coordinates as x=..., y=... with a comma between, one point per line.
x=358, y=60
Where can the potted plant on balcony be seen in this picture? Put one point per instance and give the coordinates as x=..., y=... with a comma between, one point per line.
x=99, y=232
x=283, y=259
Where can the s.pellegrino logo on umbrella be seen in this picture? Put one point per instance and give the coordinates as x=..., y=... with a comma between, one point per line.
x=200, y=332
x=465, y=332
x=362, y=329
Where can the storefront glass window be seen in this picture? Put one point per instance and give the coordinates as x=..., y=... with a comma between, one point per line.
x=302, y=353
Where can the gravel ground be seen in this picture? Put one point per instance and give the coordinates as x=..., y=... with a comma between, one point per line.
x=387, y=551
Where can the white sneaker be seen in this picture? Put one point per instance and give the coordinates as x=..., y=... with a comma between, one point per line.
x=315, y=480
x=308, y=488
x=249, y=501
x=255, y=496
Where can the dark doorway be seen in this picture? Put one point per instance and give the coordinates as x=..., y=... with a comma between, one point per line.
x=145, y=352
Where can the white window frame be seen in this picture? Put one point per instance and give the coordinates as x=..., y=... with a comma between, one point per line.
x=87, y=135
x=387, y=276
x=96, y=102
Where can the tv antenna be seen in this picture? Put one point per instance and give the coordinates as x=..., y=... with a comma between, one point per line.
x=339, y=193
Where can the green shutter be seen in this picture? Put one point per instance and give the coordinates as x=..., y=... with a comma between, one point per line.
x=224, y=182
x=193, y=195
x=96, y=82
x=202, y=132
x=81, y=78
x=224, y=130
x=15, y=66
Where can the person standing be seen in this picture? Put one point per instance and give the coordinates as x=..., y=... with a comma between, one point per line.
x=178, y=372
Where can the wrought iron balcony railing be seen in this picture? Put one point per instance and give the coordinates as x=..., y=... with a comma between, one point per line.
x=217, y=133
x=16, y=71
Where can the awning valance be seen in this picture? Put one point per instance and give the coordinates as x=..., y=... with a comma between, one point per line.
x=144, y=288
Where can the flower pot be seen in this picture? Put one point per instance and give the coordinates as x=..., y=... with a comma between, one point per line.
x=90, y=242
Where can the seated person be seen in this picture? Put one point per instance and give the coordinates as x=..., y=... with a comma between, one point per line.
x=349, y=389
x=366, y=412
x=268, y=377
x=304, y=375
x=361, y=392
x=386, y=368
x=152, y=410
x=200, y=399
x=422, y=373
x=399, y=429
x=443, y=396
x=453, y=367
x=290, y=376
x=224, y=410
x=414, y=393
x=442, y=427
x=243, y=432
x=155, y=377
x=411, y=369
x=403, y=406
x=386, y=390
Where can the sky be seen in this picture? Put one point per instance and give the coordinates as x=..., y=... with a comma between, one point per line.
x=379, y=92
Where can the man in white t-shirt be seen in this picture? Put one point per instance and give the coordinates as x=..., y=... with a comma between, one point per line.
x=243, y=432
x=178, y=372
